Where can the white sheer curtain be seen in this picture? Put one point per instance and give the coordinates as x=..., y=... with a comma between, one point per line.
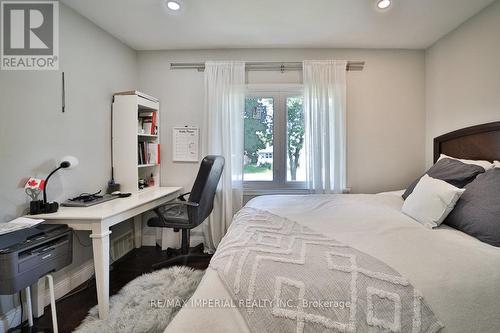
x=325, y=124
x=223, y=135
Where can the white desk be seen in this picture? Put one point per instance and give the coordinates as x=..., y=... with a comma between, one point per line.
x=99, y=218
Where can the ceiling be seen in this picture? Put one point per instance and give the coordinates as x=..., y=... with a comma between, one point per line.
x=208, y=24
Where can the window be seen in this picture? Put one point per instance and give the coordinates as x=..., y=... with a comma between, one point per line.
x=274, y=154
x=296, y=170
x=258, y=141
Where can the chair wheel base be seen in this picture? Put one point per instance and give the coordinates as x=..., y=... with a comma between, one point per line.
x=177, y=252
x=180, y=259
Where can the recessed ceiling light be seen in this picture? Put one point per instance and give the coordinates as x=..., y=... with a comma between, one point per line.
x=383, y=4
x=173, y=5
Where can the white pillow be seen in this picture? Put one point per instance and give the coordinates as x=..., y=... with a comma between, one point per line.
x=431, y=201
x=485, y=164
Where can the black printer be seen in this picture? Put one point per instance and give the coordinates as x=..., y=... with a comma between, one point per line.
x=29, y=254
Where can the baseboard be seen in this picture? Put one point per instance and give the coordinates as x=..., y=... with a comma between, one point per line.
x=66, y=284
x=149, y=240
x=196, y=239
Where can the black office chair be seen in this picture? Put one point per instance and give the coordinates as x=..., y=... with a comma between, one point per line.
x=185, y=215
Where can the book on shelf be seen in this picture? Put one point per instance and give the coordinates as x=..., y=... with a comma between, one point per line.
x=148, y=153
x=147, y=123
x=154, y=125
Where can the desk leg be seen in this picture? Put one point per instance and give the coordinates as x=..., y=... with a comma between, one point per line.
x=138, y=231
x=100, y=245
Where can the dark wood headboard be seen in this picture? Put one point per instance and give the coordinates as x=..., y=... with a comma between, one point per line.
x=481, y=142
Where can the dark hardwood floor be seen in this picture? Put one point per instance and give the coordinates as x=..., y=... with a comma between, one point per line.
x=71, y=310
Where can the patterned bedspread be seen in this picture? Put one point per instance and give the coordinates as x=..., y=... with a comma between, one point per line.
x=284, y=277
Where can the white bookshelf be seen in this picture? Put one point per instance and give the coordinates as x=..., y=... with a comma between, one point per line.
x=127, y=108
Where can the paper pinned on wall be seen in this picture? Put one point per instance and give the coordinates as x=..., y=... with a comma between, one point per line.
x=185, y=144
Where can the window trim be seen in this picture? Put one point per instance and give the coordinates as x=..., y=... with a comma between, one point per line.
x=279, y=184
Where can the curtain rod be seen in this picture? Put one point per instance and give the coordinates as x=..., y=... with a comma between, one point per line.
x=267, y=66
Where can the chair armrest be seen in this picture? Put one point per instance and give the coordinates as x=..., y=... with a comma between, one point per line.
x=181, y=197
x=180, y=203
x=169, y=205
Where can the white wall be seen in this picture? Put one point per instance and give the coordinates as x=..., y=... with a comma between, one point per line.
x=34, y=132
x=386, y=115
x=463, y=76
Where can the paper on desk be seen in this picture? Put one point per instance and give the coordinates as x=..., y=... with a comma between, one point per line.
x=18, y=224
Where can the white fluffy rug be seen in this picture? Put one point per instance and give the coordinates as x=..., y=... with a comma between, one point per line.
x=141, y=306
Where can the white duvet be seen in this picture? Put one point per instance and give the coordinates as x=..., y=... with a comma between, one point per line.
x=458, y=275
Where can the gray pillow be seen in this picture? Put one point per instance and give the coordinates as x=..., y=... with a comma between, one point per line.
x=477, y=213
x=451, y=171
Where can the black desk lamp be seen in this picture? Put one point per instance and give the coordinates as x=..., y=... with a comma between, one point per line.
x=43, y=206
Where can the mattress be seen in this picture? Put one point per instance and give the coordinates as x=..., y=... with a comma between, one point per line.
x=458, y=275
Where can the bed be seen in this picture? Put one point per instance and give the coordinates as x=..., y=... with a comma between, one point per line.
x=458, y=275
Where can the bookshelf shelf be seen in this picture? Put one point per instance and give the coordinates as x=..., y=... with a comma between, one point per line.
x=136, y=155
x=147, y=135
